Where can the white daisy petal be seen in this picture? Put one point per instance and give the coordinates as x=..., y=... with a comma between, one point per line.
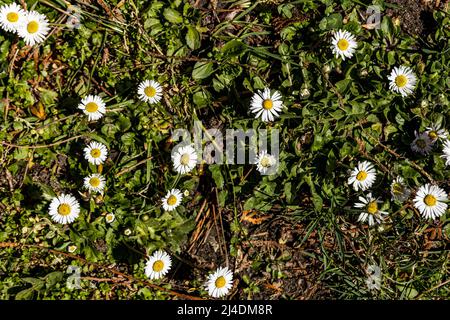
x=34, y=28
x=93, y=107
x=265, y=105
x=158, y=265
x=266, y=163
x=64, y=209
x=422, y=143
x=94, y=183
x=150, y=91
x=399, y=191
x=370, y=212
x=343, y=44
x=402, y=80
x=12, y=17
x=363, y=176
x=430, y=200
x=172, y=200
x=219, y=282
x=184, y=159
x=96, y=153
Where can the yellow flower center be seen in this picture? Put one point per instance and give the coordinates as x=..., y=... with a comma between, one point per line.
x=94, y=182
x=171, y=200
x=220, y=282
x=158, y=265
x=421, y=143
x=150, y=92
x=109, y=217
x=32, y=27
x=361, y=176
x=12, y=17
x=185, y=158
x=401, y=81
x=91, y=107
x=64, y=209
x=430, y=200
x=372, y=207
x=433, y=135
x=95, y=153
x=268, y=104
x=343, y=44
x=265, y=162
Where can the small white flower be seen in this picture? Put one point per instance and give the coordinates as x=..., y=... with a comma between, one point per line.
x=370, y=212
x=64, y=209
x=363, y=176
x=93, y=107
x=127, y=232
x=184, y=159
x=265, y=105
x=219, y=283
x=34, y=28
x=402, y=80
x=446, y=151
x=72, y=248
x=11, y=17
x=422, y=143
x=158, y=265
x=96, y=153
x=343, y=44
x=265, y=162
x=94, y=182
x=430, y=200
x=399, y=190
x=150, y=91
x=110, y=217
x=436, y=132
x=172, y=199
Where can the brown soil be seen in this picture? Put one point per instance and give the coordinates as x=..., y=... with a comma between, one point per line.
x=416, y=16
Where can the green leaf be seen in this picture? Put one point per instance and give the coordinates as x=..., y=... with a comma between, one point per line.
x=202, y=70
x=217, y=175
x=172, y=15
x=26, y=294
x=233, y=48
x=193, y=38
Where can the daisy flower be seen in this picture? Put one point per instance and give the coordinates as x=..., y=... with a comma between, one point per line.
x=343, y=44
x=402, y=80
x=436, y=132
x=422, y=143
x=363, y=176
x=265, y=162
x=72, y=248
x=34, y=28
x=184, y=159
x=219, y=283
x=158, y=265
x=266, y=105
x=64, y=209
x=150, y=91
x=11, y=17
x=370, y=212
x=399, y=190
x=110, y=217
x=172, y=199
x=93, y=107
x=95, y=153
x=94, y=182
x=429, y=201
x=446, y=150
